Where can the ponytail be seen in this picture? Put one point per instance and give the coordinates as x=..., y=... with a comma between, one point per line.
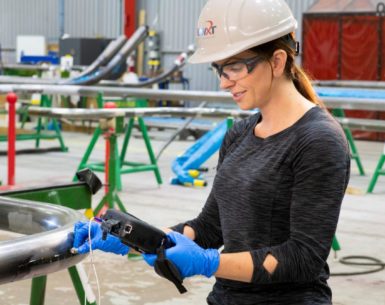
x=303, y=85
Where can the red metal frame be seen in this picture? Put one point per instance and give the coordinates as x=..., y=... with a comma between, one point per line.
x=11, y=99
x=129, y=17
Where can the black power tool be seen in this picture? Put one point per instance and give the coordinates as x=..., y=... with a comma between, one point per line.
x=144, y=238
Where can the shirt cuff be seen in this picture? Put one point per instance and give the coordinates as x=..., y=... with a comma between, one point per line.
x=260, y=274
x=179, y=227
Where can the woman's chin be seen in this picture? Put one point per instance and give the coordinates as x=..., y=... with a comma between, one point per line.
x=245, y=106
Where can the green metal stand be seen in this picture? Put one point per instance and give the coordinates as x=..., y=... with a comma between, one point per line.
x=87, y=154
x=133, y=167
x=354, y=152
x=121, y=166
x=39, y=135
x=47, y=102
x=378, y=171
x=38, y=290
x=98, y=166
x=39, y=286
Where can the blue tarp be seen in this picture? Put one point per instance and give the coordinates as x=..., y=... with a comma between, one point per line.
x=350, y=93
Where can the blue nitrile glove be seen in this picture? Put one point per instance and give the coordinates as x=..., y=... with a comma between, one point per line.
x=111, y=244
x=188, y=257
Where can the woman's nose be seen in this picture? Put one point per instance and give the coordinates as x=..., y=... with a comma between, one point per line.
x=225, y=83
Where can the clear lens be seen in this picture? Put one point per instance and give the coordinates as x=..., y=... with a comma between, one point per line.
x=215, y=70
x=234, y=71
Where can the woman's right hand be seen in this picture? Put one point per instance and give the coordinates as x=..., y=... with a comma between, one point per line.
x=81, y=244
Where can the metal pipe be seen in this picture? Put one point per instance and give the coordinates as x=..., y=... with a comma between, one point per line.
x=139, y=35
x=26, y=67
x=26, y=80
x=179, y=62
x=209, y=96
x=176, y=95
x=177, y=132
x=46, y=249
x=103, y=59
x=362, y=124
x=97, y=114
x=350, y=84
x=354, y=103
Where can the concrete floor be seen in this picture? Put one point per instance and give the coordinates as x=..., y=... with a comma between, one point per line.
x=361, y=230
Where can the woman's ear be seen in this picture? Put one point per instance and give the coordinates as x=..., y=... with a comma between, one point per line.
x=278, y=62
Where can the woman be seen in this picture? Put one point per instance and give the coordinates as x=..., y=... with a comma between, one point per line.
x=281, y=175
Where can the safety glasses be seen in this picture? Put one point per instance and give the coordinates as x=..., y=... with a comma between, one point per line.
x=238, y=69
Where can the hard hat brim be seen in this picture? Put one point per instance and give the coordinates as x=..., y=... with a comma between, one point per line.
x=200, y=56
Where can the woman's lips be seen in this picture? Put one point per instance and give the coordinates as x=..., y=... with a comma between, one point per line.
x=238, y=96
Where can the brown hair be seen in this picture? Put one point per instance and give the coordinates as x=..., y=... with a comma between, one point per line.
x=292, y=71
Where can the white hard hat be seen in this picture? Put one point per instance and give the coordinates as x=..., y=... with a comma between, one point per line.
x=228, y=27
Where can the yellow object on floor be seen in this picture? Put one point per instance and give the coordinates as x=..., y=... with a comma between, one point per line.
x=354, y=191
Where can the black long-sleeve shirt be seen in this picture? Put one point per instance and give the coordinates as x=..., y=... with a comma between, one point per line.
x=279, y=195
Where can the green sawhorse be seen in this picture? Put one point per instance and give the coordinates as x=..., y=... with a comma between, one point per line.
x=377, y=172
x=133, y=166
x=121, y=166
x=354, y=152
x=116, y=163
x=39, y=284
x=38, y=134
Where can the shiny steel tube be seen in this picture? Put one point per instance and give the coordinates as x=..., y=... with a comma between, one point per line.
x=45, y=248
x=362, y=124
x=176, y=95
x=120, y=57
x=179, y=62
x=354, y=103
x=350, y=84
x=103, y=59
x=27, y=80
x=26, y=67
x=97, y=114
x=209, y=96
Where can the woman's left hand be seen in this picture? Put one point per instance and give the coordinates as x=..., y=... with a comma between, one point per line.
x=188, y=257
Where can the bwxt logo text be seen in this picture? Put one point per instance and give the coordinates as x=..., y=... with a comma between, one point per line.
x=208, y=30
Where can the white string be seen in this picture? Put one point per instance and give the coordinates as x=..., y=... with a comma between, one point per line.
x=93, y=266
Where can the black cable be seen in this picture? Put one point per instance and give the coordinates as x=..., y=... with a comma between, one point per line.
x=349, y=260
x=178, y=131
